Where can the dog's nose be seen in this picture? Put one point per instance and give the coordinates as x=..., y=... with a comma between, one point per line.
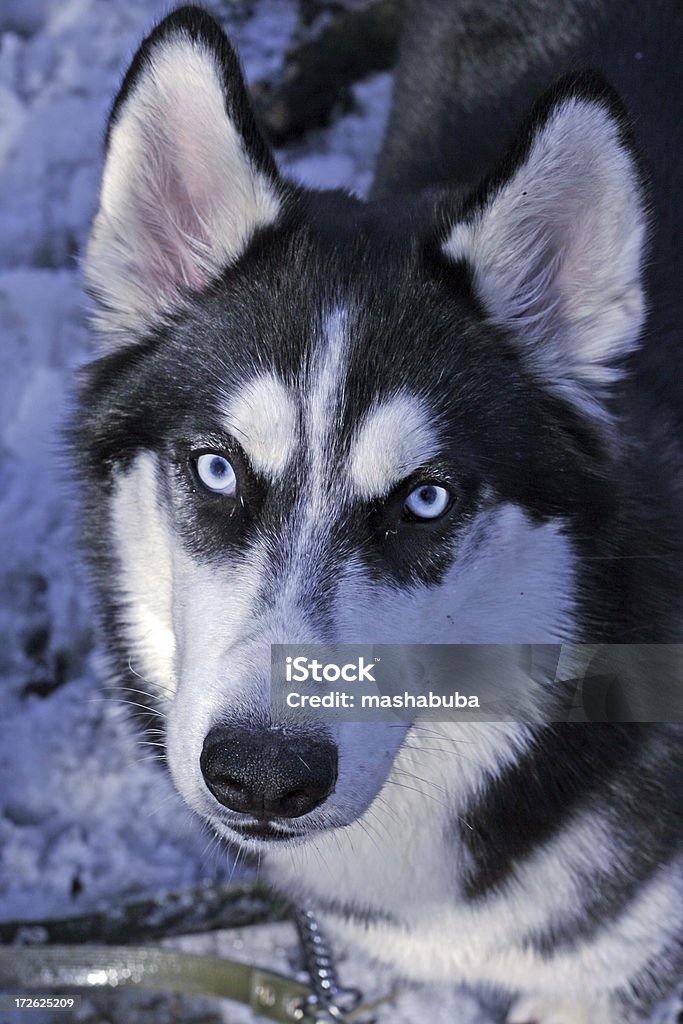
x=268, y=773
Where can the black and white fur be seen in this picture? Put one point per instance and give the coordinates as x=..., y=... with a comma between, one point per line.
x=501, y=325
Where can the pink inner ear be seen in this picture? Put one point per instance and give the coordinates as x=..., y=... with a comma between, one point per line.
x=168, y=216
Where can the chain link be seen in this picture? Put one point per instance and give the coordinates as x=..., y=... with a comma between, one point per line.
x=330, y=1002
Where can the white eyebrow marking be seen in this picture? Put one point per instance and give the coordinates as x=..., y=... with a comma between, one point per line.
x=263, y=418
x=396, y=437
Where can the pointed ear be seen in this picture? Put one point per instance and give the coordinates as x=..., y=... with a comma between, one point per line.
x=187, y=177
x=555, y=243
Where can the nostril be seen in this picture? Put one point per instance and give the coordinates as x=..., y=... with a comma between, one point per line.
x=299, y=801
x=268, y=773
x=235, y=795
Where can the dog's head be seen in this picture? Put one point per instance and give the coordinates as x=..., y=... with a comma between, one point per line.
x=319, y=420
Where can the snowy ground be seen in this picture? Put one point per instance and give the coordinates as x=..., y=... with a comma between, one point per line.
x=86, y=818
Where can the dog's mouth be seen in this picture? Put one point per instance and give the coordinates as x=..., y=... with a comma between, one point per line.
x=264, y=831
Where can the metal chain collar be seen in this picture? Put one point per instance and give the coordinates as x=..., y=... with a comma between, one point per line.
x=329, y=1001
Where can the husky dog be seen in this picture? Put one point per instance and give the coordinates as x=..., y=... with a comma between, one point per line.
x=448, y=414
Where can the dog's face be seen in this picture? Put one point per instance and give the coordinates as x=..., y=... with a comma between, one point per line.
x=321, y=421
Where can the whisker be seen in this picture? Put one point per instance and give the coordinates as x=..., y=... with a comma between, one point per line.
x=420, y=792
x=157, y=758
x=117, y=701
x=418, y=778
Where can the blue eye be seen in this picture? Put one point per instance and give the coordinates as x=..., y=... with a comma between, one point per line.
x=428, y=501
x=217, y=474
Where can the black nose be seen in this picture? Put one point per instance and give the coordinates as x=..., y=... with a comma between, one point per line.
x=268, y=773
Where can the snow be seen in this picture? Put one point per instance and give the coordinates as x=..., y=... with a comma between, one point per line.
x=86, y=817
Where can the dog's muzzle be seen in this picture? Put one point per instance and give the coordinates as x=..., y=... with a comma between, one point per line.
x=268, y=774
